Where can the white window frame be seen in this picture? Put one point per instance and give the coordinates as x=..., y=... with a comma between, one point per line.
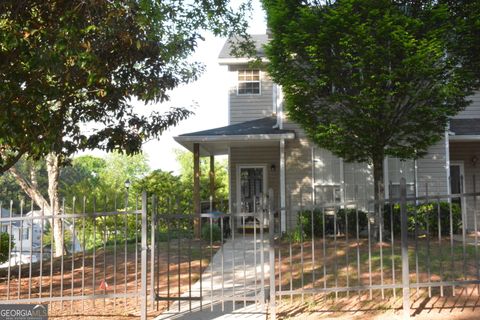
x=409, y=184
x=259, y=81
x=318, y=183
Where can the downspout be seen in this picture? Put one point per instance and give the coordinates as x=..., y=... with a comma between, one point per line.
x=283, y=214
x=278, y=106
x=447, y=159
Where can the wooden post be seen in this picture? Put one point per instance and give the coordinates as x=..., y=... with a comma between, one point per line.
x=212, y=180
x=196, y=189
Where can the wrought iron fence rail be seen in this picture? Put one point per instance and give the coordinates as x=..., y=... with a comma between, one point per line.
x=68, y=216
x=71, y=298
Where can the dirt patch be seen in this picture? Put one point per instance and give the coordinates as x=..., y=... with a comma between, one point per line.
x=342, y=264
x=77, y=279
x=465, y=305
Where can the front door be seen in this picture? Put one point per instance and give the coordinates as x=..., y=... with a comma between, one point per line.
x=457, y=184
x=251, y=186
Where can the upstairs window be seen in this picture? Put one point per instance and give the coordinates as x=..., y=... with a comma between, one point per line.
x=248, y=82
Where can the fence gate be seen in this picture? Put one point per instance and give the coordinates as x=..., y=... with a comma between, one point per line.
x=224, y=271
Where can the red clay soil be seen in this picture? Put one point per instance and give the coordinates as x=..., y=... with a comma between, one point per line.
x=111, y=272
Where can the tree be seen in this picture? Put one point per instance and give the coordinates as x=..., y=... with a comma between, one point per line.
x=368, y=78
x=185, y=159
x=72, y=74
x=67, y=64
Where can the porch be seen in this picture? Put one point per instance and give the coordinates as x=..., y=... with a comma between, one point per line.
x=256, y=163
x=464, y=152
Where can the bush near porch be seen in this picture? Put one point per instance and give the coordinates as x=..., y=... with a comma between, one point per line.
x=425, y=217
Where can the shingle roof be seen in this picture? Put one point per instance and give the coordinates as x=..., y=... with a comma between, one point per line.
x=259, y=39
x=462, y=127
x=253, y=127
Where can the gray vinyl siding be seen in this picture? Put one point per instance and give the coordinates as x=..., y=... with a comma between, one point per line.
x=298, y=178
x=263, y=156
x=473, y=110
x=432, y=170
x=358, y=183
x=464, y=151
x=251, y=106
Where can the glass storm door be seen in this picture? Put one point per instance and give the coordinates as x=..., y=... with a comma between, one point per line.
x=251, y=188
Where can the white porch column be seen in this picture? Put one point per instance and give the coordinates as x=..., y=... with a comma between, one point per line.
x=283, y=209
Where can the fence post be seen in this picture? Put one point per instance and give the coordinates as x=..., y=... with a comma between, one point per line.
x=152, y=252
x=143, y=312
x=404, y=236
x=271, y=232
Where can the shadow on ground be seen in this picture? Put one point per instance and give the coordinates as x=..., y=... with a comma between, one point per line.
x=465, y=305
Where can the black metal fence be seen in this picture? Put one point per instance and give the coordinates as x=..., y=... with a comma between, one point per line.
x=103, y=258
x=148, y=259
x=408, y=243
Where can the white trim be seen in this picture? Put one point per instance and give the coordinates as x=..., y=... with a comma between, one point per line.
x=283, y=215
x=447, y=160
x=274, y=99
x=238, y=61
x=249, y=166
x=313, y=175
x=280, y=107
x=229, y=111
x=386, y=178
x=260, y=75
x=246, y=137
x=230, y=176
x=415, y=177
x=342, y=179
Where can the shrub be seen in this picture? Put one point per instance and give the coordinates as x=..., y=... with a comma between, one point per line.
x=296, y=235
x=429, y=213
x=5, y=240
x=351, y=215
x=425, y=212
x=216, y=232
x=305, y=223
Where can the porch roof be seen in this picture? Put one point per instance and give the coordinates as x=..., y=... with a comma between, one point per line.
x=465, y=129
x=217, y=141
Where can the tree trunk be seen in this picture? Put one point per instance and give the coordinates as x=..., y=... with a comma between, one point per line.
x=379, y=193
x=51, y=207
x=30, y=190
x=53, y=171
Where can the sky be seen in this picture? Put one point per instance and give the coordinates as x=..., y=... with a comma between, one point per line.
x=208, y=95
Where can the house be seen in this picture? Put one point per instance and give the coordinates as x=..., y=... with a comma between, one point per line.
x=27, y=233
x=267, y=151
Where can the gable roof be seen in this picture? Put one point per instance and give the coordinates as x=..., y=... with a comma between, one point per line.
x=226, y=57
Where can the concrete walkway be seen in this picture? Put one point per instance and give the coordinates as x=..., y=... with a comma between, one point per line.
x=235, y=276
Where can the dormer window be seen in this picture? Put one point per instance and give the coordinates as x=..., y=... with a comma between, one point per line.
x=248, y=82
